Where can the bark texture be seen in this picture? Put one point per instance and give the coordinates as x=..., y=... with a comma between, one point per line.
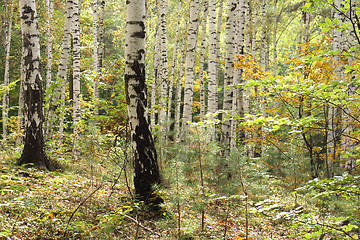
x=145, y=158
x=34, y=147
x=190, y=64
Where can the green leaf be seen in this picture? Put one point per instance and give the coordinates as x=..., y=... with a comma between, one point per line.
x=328, y=21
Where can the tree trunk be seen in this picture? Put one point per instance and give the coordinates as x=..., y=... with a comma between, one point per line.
x=62, y=70
x=212, y=80
x=5, y=102
x=201, y=63
x=95, y=57
x=229, y=76
x=49, y=122
x=190, y=64
x=101, y=37
x=76, y=76
x=155, y=77
x=163, y=68
x=275, y=23
x=34, y=146
x=174, y=65
x=145, y=158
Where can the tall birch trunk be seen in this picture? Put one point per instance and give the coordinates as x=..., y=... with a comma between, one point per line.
x=101, y=37
x=34, y=146
x=190, y=64
x=212, y=81
x=275, y=23
x=155, y=78
x=174, y=65
x=95, y=57
x=238, y=99
x=332, y=112
x=62, y=70
x=201, y=62
x=49, y=121
x=76, y=76
x=144, y=153
x=229, y=76
x=5, y=100
x=163, y=67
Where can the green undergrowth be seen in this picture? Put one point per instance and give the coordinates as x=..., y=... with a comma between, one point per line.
x=206, y=197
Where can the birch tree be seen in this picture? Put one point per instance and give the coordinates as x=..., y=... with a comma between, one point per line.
x=34, y=146
x=163, y=67
x=212, y=76
x=190, y=64
x=95, y=56
x=5, y=100
x=50, y=10
x=76, y=75
x=173, y=66
x=229, y=76
x=145, y=159
x=201, y=62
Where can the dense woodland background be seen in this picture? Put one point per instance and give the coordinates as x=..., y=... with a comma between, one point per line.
x=253, y=107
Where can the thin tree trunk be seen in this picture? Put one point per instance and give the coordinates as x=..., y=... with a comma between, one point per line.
x=62, y=70
x=95, y=57
x=5, y=100
x=190, y=64
x=155, y=78
x=212, y=76
x=34, y=146
x=201, y=62
x=275, y=23
x=174, y=64
x=19, y=138
x=229, y=76
x=76, y=77
x=101, y=37
x=145, y=158
x=49, y=122
x=163, y=67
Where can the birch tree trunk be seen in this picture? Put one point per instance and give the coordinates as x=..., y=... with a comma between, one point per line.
x=349, y=111
x=174, y=65
x=331, y=110
x=62, y=70
x=76, y=76
x=263, y=37
x=34, y=146
x=275, y=23
x=49, y=121
x=95, y=57
x=155, y=78
x=145, y=158
x=5, y=100
x=163, y=67
x=238, y=101
x=101, y=37
x=201, y=62
x=229, y=76
x=20, y=122
x=190, y=64
x=212, y=75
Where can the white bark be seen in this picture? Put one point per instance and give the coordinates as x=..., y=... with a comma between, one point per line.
x=275, y=23
x=190, y=64
x=76, y=75
x=163, y=67
x=201, y=63
x=263, y=37
x=229, y=76
x=95, y=56
x=155, y=77
x=174, y=65
x=101, y=37
x=62, y=70
x=50, y=10
x=5, y=100
x=212, y=81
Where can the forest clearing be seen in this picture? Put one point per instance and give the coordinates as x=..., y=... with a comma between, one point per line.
x=180, y=119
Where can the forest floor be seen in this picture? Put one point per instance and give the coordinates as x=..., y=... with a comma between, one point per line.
x=81, y=204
